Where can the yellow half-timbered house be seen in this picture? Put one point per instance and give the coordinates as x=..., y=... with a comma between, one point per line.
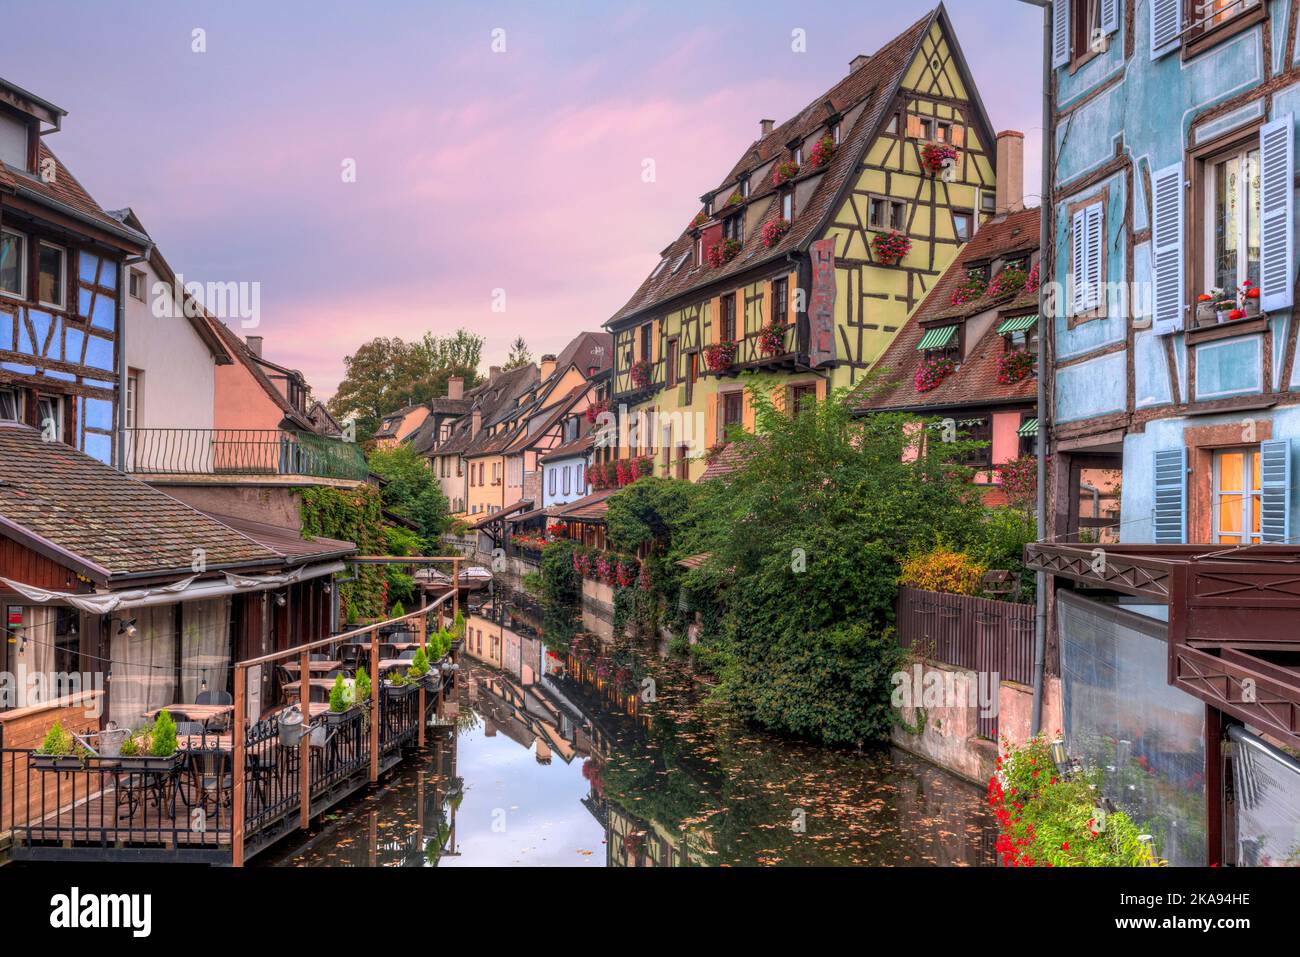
x=804, y=263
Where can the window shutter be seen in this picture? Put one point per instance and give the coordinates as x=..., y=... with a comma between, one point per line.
x=1167, y=249
x=1092, y=253
x=1169, y=516
x=1078, y=263
x=914, y=128
x=1275, y=491
x=1109, y=16
x=1277, y=236
x=1060, y=33
x=1165, y=24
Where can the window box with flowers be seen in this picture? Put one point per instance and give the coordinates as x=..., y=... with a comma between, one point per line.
x=773, y=230
x=1031, y=281
x=595, y=409
x=735, y=199
x=784, y=172
x=970, y=288
x=771, y=339
x=1009, y=282
x=936, y=157
x=891, y=247
x=1014, y=366
x=722, y=253
x=823, y=152
x=1219, y=306
x=640, y=373
x=720, y=355
x=933, y=371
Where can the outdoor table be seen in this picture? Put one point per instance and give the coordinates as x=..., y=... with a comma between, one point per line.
x=202, y=713
x=315, y=667
x=326, y=683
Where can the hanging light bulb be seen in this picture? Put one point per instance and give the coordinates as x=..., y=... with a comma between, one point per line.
x=279, y=598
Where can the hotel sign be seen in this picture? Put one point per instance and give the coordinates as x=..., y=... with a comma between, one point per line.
x=821, y=304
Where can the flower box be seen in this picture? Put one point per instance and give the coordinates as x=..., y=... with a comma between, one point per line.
x=641, y=373
x=771, y=339
x=823, y=152
x=784, y=172
x=1014, y=366
x=398, y=692
x=936, y=157
x=774, y=230
x=891, y=247
x=933, y=372
x=722, y=253
x=149, y=762
x=720, y=355
x=336, y=718
x=55, y=762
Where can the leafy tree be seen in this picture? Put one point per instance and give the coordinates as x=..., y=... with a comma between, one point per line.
x=519, y=355
x=412, y=490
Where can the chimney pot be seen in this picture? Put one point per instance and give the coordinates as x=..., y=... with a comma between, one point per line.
x=494, y=373
x=254, y=344
x=765, y=126
x=475, y=422
x=858, y=62
x=548, y=366
x=456, y=387
x=1010, y=190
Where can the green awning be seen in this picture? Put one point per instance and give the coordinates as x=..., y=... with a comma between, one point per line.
x=1029, y=428
x=937, y=338
x=1017, y=324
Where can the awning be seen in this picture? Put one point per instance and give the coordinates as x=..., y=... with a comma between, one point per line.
x=1028, y=428
x=937, y=338
x=187, y=589
x=1017, y=324
x=502, y=513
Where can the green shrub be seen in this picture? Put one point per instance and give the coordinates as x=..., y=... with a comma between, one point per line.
x=362, y=686
x=338, y=696
x=57, y=743
x=419, y=664
x=398, y=611
x=163, y=743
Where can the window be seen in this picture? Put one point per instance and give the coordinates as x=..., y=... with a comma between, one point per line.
x=943, y=131
x=13, y=264
x=1236, y=496
x=672, y=362
x=1094, y=501
x=727, y=327
x=580, y=478
x=1087, y=259
x=683, y=469
x=744, y=187
x=52, y=286
x=1232, y=221
x=1206, y=16
x=693, y=368
x=787, y=205
x=699, y=251
x=132, y=397
x=11, y=405
x=135, y=284
x=803, y=397
x=13, y=141
x=835, y=134
x=733, y=408
x=963, y=224
x=646, y=333
x=798, y=154
x=1085, y=22
x=733, y=227
x=49, y=416
x=988, y=201
x=781, y=301
x=978, y=430
x=886, y=213
x=568, y=479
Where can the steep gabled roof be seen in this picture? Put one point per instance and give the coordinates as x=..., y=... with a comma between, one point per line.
x=975, y=380
x=240, y=352
x=873, y=87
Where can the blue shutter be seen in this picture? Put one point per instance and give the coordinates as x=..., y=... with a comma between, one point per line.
x=1169, y=516
x=1109, y=16
x=1275, y=491
x=1277, y=195
x=1060, y=33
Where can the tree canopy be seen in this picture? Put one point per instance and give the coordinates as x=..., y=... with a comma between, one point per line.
x=411, y=490
x=519, y=355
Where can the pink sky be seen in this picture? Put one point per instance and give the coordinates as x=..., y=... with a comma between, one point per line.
x=476, y=170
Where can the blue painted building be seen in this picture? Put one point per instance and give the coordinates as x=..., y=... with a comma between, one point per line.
x=61, y=278
x=1174, y=409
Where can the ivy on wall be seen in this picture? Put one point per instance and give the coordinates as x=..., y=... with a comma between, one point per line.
x=353, y=515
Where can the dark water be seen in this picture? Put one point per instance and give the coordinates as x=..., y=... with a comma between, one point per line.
x=559, y=760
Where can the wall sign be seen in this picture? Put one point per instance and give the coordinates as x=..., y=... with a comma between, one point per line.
x=821, y=306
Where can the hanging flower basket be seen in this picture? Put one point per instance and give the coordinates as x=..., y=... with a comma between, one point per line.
x=771, y=339
x=823, y=152
x=720, y=355
x=784, y=172
x=722, y=253
x=970, y=289
x=595, y=409
x=935, y=157
x=933, y=372
x=774, y=230
x=1014, y=366
x=891, y=247
x=641, y=373
x=1010, y=281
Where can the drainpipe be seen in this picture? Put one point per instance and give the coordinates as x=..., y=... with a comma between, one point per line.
x=1044, y=248
x=119, y=311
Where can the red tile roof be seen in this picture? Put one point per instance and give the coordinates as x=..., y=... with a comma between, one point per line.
x=975, y=380
x=63, y=190
x=874, y=85
x=726, y=460
x=590, y=508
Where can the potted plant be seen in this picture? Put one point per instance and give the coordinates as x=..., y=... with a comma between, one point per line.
x=784, y=172
x=153, y=747
x=419, y=671
x=823, y=152
x=398, y=685
x=342, y=701
x=361, y=687
x=735, y=199
x=1213, y=306
x=771, y=339
x=640, y=373
x=60, y=751
x=773, y=230
x=935, y=157
x=891, y=247
x=1248, y=299
x=720, y=355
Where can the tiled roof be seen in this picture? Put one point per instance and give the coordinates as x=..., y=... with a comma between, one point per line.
x=287, y=542
x=590, y=508
x=501, y=513
x=86, y=515
x=64, y=189
x=579, y=446
x=975, y=380
x=588, y=350
x=873, y=85
x=728, y=459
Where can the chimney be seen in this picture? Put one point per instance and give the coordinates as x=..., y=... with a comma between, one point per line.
x=254, y=344
x=475, y=422
x=1010, y=192
x=765, y=127
x=548, y=366
x=858, y=62
x=494, y=373
x=456, y=387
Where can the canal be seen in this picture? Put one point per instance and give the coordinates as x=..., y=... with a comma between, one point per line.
x=605, y=755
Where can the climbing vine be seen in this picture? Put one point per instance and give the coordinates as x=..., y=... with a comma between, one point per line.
x=353, y=515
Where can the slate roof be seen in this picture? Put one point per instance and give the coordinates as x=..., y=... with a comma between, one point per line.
x=105, y=524
x=590, y=508
x=872, y=86
x=975, y=380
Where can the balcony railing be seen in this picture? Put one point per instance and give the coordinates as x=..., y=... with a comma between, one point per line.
x=241, y=452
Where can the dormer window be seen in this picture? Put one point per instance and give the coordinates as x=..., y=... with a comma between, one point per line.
x=744, y=188
x=798, y=154
x=835, y=134
x=787, y=205
x=14, y=144
x=733, y=227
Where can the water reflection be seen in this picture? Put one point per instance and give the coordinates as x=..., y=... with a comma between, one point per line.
x=577, y=752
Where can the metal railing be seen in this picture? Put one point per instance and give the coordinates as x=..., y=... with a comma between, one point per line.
x=241, y=452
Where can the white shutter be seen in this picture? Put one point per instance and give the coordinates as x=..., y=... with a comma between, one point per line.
x=1092, y=254
x=1109, y=16
x=1277, y=235
x=1167, y=249
x=1079, y=263
x=1166, y=24
x=1060, y=33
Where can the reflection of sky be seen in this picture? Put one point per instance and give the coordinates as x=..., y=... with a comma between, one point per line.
x=545, y=822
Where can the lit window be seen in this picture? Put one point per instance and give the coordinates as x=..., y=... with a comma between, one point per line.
x=52, y=284
x=1236, y=496
x=13, y=264
x=1232, y=224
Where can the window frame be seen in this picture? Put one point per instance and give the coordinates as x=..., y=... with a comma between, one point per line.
x=969, y=217
x=19, y=397
x=137, y=274
x=725, y=401
x=60, y=413
x=1206, y=200
x=1196, y=40
x=897, y=212
x=781, y=300
x=1251, y=529
x=131, y=399
x=62, y=284
x=787, y=205
x=1099, y=311
x=1081, y=50
x=673, y=356
x=727, y=317
x=1074, y=522
x=24, y=252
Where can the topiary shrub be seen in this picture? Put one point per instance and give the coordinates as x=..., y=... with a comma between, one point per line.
x=57, y=742
x=362, y=685
x=163, y=741
x=338, y=696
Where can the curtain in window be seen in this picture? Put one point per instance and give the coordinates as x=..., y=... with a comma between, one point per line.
x=34, y=655
x=205, y=647
x=144, y=666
